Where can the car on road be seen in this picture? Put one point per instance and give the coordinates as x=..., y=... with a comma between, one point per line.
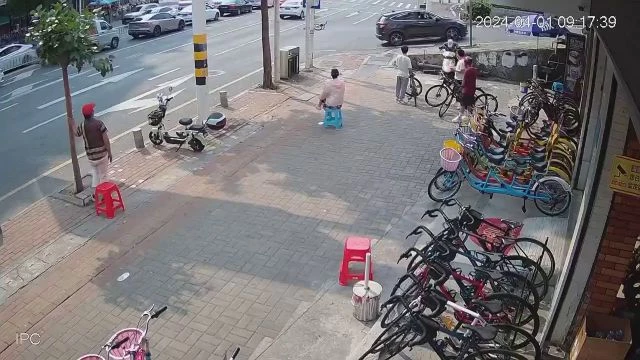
x=400, y=26
x=210, y=13
x=292, y=9
x=257, y=4
x=137, y=12
x=173, y=10
x=104, y=35
x=17, y=55
x=155, y=24
x=234, y=7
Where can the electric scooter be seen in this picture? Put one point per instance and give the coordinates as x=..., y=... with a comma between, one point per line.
x=192, y=134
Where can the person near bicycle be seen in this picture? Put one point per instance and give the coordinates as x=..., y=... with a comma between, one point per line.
x=332, y=98
x=403, y=64
x=467, y=98
x=449, y=58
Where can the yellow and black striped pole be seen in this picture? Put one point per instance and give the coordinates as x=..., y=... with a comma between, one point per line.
x=200, y=59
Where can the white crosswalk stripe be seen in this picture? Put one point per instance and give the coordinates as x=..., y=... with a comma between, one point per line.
x=392, y=3
x=365, y=19
x=376, y=2
x=399, y=4
x=408, y=6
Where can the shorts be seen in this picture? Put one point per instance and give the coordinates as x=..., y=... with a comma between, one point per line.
x=468, y=100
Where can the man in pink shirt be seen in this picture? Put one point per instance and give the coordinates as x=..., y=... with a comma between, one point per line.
x=331, y=100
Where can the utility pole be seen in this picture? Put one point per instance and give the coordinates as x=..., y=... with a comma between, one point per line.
x=308, y=38
x=276, y=41
x=470, y=23
x=200, y=59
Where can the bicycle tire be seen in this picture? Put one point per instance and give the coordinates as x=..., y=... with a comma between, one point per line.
x=456, y=183
x=518, y=304
x=487, y=101
x=388, y=336
x=445, y=106
x=559, y=194
x=534, y=271
x=495, y=354
x=528, y=344
x=562, y=155
x=414, y=84
x=517, y=284
x=548, y=262
x=437, y=92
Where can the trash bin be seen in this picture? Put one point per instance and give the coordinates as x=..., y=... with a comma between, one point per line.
x=289, y=61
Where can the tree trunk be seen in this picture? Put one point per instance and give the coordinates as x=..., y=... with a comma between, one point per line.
x=267, y=76
x=77, y=177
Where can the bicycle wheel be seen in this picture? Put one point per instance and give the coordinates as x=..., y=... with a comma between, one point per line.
x=444, y=185
x=536, y=251
x=530, y=269
x=515, y=311
x=415, y=88
x=396, y=338
x=436, y=95
x=561, y=169
x=517, y=284
x=486, y=101
x=514, y=338
x=495, y=354
x=551, y=198
x=445, y=106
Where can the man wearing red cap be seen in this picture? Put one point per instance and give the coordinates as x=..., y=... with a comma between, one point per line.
x=96, y=144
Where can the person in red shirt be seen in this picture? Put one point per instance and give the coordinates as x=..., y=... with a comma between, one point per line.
x=468, y=88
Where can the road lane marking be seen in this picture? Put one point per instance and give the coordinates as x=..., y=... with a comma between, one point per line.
x=163, y=74
x=11, y=96
x=62, y=165
x=8, y=107
x=209, y=37
x=43, y=123
x=409, y=6
x=104, y=81
x=400, y=4
x=376, y=2
x=321, y=11
x=365, y=19
x=98, y=73
x=352, y=14
x=133, y=55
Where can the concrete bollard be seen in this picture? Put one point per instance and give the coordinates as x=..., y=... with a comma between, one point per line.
x=224, y=102
x=138, y=139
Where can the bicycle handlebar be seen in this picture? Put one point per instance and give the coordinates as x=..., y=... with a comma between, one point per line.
x=158, y=313
x=118, y=344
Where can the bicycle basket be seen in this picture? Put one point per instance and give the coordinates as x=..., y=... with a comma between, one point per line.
x=155, y=117
x=449, y=159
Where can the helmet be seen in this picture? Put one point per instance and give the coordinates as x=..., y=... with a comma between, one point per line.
x=216, y=121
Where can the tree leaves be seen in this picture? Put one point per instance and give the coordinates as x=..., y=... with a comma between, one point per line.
x=64, y=37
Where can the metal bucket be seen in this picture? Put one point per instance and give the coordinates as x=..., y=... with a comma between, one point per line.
x=366, y=302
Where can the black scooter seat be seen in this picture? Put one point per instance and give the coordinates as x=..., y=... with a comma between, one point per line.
x=185, y=121
x=496, y=151
x=196, y=127
x=539, y=157
x=495, y=159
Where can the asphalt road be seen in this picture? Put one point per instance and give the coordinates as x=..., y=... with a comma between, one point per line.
x=34, y=151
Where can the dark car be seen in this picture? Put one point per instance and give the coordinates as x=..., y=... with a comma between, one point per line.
x=397, y=27
x=235, y=7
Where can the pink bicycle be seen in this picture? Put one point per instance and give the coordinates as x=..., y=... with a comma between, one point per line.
x=132, y=342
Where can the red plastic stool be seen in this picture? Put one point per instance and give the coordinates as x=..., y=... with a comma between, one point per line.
x=105, y=202
x=355, y=250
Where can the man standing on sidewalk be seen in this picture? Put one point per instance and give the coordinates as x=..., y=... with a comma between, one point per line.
x=96, y=144
x=468, y=89
x=403, y=64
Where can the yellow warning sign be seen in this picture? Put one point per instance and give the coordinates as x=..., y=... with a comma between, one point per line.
x=625, y=175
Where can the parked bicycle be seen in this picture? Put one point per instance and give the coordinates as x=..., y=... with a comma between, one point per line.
x=444, y=94
x=414, y=89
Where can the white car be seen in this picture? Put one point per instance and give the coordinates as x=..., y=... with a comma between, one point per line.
x=292, y=8
x=16, y=55
x=172, y=9
x=210, y=13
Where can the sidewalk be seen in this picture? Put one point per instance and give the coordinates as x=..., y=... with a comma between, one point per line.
x=242, y=242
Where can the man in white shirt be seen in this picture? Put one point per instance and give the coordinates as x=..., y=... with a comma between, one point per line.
x=460, y=66
x=403, y=64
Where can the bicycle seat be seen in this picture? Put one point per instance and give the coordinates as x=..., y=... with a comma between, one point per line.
x=185, y=121
x=518, y=171
x=540, y=167
x=539, y=157
x=540, y=149
x=492, y=306
x=495, y=159
x=496, y=151
x=511, y=224
x=485, y=333
x=493, y=257
x=520, y=161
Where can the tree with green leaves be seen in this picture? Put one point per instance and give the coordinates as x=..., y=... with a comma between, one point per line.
x=64, y=38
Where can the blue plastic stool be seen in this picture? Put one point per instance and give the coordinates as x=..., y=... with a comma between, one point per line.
x=332, y=117
x=557, y=87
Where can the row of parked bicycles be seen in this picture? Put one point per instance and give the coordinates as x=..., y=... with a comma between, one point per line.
x=522, y=155
x=488, y=312
x=443, y=95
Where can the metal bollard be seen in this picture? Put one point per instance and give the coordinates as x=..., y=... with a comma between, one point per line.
x=137, y=138
x=224, y=102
